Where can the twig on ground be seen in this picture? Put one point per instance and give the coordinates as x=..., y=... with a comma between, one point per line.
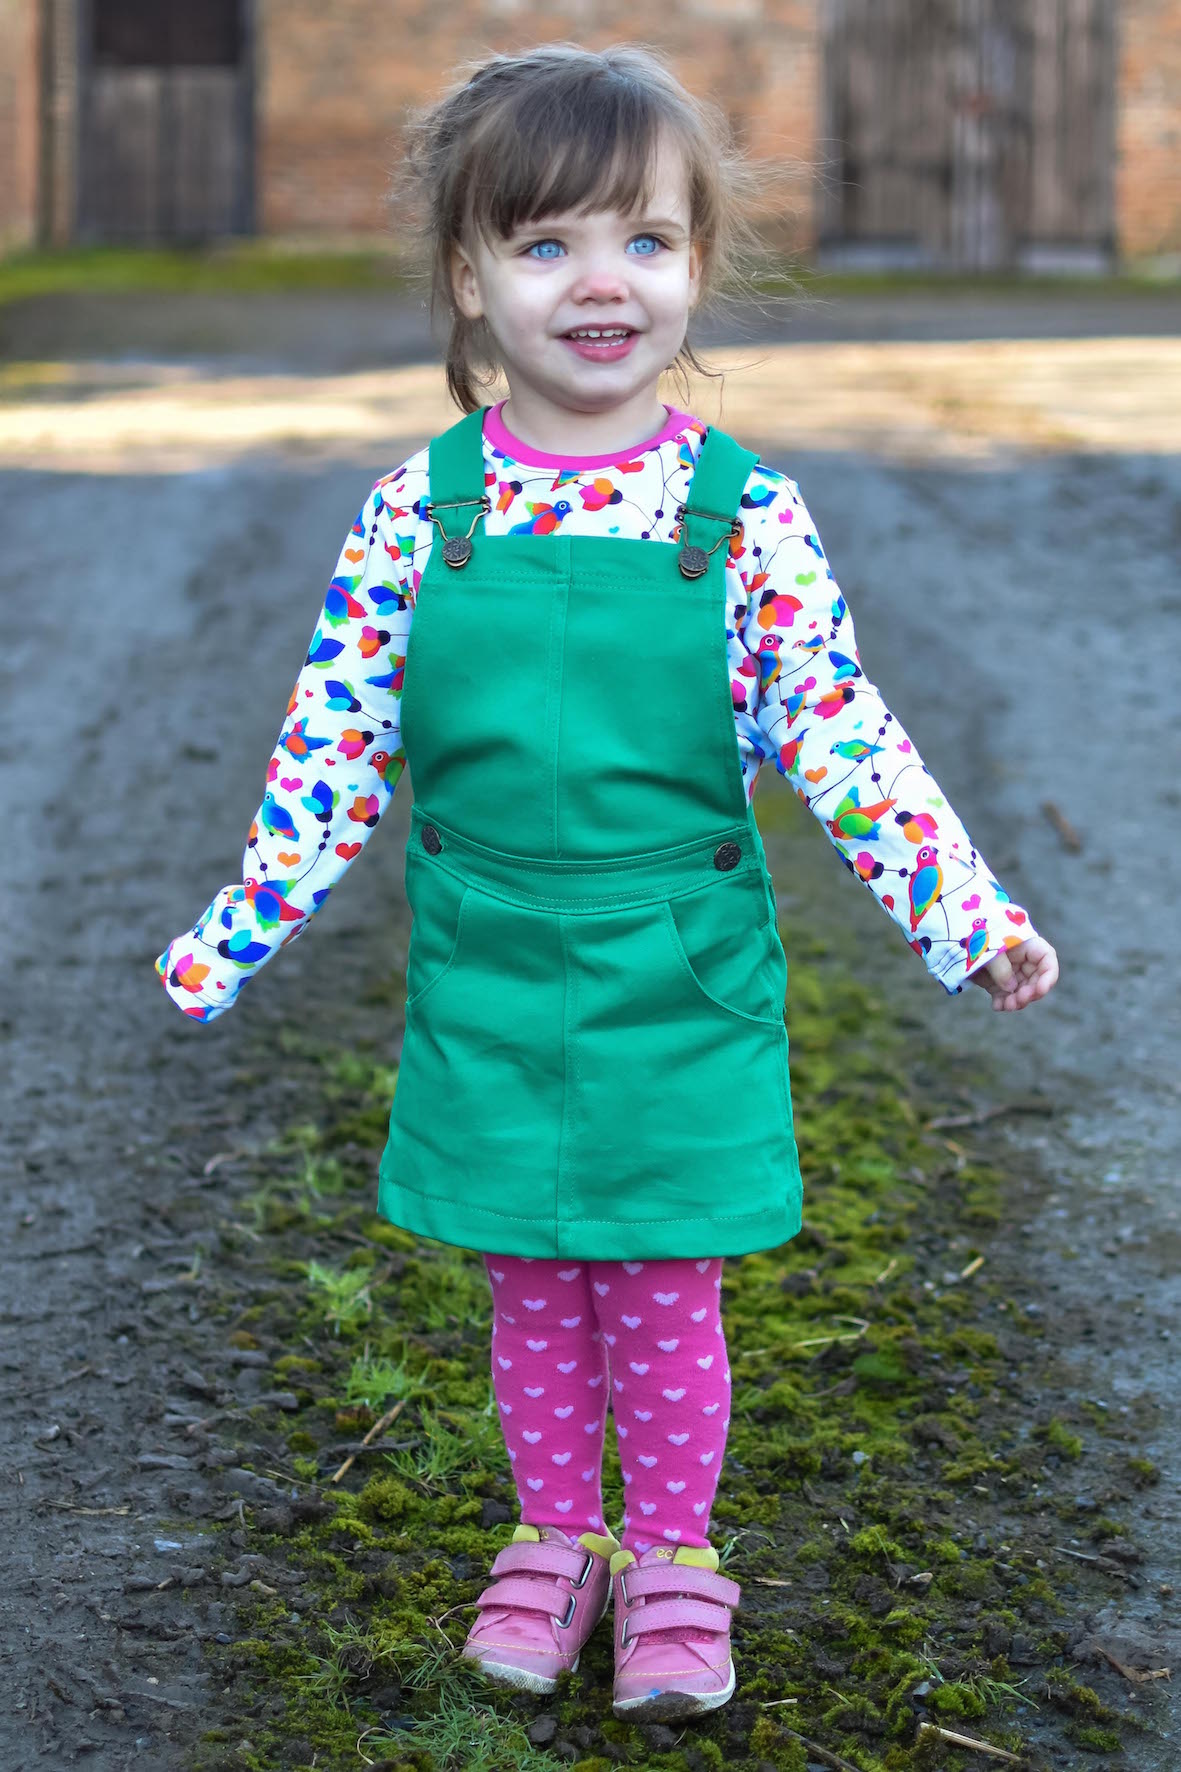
x=816, y=1340
x=50, y=1384
x=822, y=1753
x=1033, y=1105
x=1070, y=837
x=69, y=1507
x=1108, y=1565
x=980, y=1747
x=378, y=1427
x=1137, y=1675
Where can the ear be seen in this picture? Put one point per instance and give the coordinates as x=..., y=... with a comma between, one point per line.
x=465, y=287
x=696, y=266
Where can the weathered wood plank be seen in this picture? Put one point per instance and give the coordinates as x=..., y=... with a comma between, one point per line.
x=967, y=133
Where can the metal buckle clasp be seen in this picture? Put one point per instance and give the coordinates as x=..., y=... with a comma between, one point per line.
x=454, y=504
x=733, y=524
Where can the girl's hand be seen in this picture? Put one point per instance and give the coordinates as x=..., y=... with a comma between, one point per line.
x=1019, y=975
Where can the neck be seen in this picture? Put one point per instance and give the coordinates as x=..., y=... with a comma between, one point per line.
x=557, y=430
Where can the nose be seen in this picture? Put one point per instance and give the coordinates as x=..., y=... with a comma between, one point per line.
x=601, y=282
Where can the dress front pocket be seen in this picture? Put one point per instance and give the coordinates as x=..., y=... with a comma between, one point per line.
x=437, y=900
x=726, y=939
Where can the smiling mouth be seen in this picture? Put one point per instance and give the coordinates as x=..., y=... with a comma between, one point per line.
x=607, y=335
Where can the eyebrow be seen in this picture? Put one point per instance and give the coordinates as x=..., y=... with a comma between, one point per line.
x=656, y=223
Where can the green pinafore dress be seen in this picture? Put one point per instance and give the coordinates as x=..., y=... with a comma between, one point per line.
x=595, y=1055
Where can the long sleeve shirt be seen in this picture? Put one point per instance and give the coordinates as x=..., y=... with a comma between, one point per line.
x=801, y=699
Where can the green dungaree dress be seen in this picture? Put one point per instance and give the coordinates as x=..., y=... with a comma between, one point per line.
x=595, y=1056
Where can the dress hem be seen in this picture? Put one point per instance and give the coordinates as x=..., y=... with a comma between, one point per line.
x=496, y=1233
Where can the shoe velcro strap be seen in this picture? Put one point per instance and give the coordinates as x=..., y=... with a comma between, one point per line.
x=680, y=1578
x=677, y=1615
x=546, y=1558
x=527, y=1594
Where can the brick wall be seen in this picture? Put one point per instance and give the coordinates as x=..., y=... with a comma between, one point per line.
x=334, y=78
x=18, y=122
x=1148, y=128
x=333, y=81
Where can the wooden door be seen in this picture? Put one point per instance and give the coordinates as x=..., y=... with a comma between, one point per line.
x=967, y=134
x=165, y=124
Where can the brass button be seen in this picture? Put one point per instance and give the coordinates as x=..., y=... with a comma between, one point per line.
x=693, y=561
x=727, y=856
x=457, y=550
x=431, y=840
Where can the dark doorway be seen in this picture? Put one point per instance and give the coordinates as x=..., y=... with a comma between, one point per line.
x=165, y=120
x=968, y=134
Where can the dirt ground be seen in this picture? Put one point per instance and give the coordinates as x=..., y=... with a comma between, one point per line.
x=998, y=488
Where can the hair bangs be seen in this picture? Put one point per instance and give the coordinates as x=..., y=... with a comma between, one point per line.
x=589, y=147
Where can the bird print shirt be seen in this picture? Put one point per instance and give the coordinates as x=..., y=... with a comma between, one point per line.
x=801, y=700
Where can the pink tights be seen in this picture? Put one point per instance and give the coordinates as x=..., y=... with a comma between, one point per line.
x=565, y=1335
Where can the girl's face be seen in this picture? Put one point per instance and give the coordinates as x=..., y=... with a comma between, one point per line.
x=636, y=276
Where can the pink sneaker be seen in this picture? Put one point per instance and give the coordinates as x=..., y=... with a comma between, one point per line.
x=672, y=1632
x=549, y=1594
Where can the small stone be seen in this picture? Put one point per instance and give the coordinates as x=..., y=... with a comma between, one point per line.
x=543, y=1730
x=659, y=1737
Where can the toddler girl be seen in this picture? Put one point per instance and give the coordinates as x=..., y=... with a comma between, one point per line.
x=586, y=619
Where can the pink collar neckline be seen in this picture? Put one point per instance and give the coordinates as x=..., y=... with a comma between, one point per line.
x=501, y=438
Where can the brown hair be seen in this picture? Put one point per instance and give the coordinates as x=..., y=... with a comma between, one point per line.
x=560, y=127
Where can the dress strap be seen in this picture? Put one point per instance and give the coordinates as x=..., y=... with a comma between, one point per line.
x=711, y=513
x=457, y=499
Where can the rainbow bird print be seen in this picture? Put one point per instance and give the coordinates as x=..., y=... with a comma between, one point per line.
x=277, y=819
x=925, y=885
x=855, y=750
x=299, y=742
x=544, y=519
x=270, y=903
x=853, y=821
x=975, y=943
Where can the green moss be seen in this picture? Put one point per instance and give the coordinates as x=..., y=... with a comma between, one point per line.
x=1059, y=1436
x=855, y=1450
x=1099, y=1741
x=287, y=1363
x=386, y=1498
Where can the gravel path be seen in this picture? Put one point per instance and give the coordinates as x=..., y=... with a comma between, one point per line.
x=1037, y=582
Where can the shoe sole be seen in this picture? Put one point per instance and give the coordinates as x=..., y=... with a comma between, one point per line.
x=523, y=1679
x=662, y=1707
x=502, y=1673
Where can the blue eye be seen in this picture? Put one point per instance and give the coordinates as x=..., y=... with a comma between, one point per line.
x=539, y=247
